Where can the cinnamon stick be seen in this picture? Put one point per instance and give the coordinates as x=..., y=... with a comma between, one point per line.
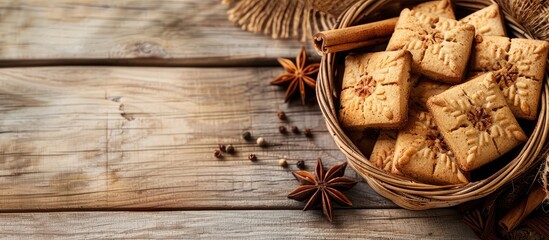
x=344, y=39
x=517, y=214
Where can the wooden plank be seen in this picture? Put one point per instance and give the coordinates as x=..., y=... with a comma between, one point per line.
x=252, y=224
x=140, y=138
x=131, y=32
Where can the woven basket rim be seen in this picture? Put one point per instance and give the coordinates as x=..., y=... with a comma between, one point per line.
x=414, y=195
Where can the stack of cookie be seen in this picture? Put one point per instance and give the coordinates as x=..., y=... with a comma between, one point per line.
x=445, y=95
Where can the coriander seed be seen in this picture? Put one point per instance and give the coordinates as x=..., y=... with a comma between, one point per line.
x=300, y=164
x=230, y=149
x=307, y=132
x=282, y=162
x=218, y=154
x=246, y=135
x=252, y=157
x=295, y=129
x=282, y=129
x=222, y=147
x=261, y=142
x=281, y=115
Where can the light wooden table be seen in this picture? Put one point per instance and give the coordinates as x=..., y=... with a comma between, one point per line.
x=109, y=114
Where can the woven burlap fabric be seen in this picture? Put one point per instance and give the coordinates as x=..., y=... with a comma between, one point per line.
x=297, y=19
x=334, y=8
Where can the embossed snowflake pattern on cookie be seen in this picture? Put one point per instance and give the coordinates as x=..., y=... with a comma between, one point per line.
x=422, y=154
x=519, y=66
x=475, y=121
x=440, y=46
x=375, y=90
x=487, y=21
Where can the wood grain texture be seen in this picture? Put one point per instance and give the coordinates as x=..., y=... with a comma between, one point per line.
x=235, y=224
x=128, y=32
x=140, y=138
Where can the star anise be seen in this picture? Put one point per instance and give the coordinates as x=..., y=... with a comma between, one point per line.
x=297, y=75
x=325, y=185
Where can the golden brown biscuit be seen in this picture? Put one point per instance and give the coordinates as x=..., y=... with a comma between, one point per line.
x=476, y=122
x=487, y=21
x=440, y=46
x=519, y=66
x=375, y=90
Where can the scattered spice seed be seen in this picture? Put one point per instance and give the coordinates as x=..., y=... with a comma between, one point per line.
x=230, y=149
x=308, y=132
x=218, y=153
x=281, y=115
x=282, y=162
x=246, y=135
x=300, y=164
x=295, y=129
x=222, y=147
x=282, y=129
x=252, y=157
x=261, y=142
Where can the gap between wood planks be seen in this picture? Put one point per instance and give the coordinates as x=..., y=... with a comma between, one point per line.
x=297, y=209
x=196, y=62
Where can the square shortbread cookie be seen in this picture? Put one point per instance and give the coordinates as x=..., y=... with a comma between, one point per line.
x=519, y=66
x=487, y=21
x=375, y=90
x=442, y=8
x=422, y=154
x=476, y=122
x=440, y=46
x=383, y=153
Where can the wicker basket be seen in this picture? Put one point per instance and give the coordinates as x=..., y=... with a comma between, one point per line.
x=405, y=193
